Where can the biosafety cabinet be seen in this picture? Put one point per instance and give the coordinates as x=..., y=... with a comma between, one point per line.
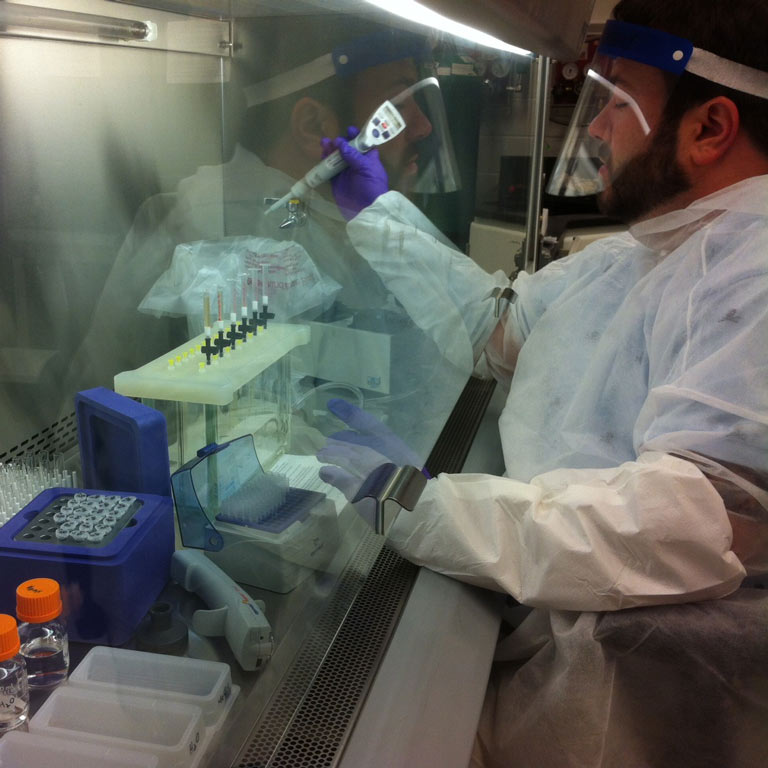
x=167, y=246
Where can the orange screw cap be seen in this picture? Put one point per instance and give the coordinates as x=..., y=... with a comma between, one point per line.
x=9, y=637
x=38, y=600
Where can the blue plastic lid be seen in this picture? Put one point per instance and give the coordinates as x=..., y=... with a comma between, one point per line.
x=123, y=443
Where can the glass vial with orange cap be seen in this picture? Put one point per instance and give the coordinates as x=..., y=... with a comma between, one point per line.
x=44, y=642
x=14, y=691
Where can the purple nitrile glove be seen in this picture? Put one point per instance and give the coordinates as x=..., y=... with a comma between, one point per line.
x=358, y=185
x=355, y=453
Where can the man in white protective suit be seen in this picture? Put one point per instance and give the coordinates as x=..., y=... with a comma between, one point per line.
x=635, y=431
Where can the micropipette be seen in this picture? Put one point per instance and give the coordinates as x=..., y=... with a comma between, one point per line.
x=230, y=612
x=384, y=124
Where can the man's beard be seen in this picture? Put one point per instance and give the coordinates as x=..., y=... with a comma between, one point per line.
x=647, y=180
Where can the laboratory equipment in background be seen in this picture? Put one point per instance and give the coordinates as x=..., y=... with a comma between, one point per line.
x=43, y=633
x=14, y=690
x=232, y=613
x=259, y=530
x=495, y=244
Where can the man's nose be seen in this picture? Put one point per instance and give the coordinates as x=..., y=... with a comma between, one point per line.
x=417, y=123
x=599, y=128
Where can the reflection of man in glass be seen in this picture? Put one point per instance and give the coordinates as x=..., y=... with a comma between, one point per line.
x=312, y=78
x=288, y=142
x=310, y=97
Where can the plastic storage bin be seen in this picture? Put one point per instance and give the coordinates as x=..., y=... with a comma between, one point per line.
x=206, y=684
x=37, y=750
x=170, y=730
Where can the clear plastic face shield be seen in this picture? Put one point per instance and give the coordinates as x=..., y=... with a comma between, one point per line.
x=385, y=66
x=424, y=161
x=612, y=121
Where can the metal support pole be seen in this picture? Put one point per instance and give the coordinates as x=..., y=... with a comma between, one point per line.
x=540, y=81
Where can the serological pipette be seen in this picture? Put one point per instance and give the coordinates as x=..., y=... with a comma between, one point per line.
x=254, y=302
x=265, y=316
x=244, y=326
x=207, y=349
x=220, y=342
x=233, y=335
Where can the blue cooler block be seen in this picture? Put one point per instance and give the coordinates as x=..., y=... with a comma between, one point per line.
x=108, y=585
x=111, y=567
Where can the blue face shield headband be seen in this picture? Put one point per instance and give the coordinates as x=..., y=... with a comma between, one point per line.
x=607, y=103
x=677, y=55
x=343, y=61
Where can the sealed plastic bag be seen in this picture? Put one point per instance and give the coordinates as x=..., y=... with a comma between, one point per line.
x=294, y=284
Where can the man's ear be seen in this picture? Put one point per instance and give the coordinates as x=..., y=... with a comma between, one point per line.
x=311, y=121
x=710, y=130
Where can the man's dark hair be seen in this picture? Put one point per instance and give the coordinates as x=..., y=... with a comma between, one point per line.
x=732, y=29
x=279, y=44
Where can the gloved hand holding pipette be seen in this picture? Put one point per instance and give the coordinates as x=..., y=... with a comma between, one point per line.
x=351, y=455
x=365, y=178
x=382, y=126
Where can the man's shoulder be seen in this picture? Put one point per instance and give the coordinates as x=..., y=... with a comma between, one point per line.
x=602, y=251
x=737, y=242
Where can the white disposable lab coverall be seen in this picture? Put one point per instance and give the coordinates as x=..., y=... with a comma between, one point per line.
x=632, y=366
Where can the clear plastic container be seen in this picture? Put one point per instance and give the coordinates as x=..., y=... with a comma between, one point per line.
x=172, y=731
x=205, y=684
x=43, y=635
x=37, y=750
x=14, y=691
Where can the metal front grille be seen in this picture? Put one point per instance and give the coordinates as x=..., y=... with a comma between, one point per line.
x=60, y=437
x=451, y=449
x=308, y=720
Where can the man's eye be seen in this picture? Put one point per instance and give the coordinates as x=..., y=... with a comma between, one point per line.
x=620, y=104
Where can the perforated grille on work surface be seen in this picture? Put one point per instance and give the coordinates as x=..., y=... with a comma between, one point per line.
x=308, y=720
x=453, y=444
